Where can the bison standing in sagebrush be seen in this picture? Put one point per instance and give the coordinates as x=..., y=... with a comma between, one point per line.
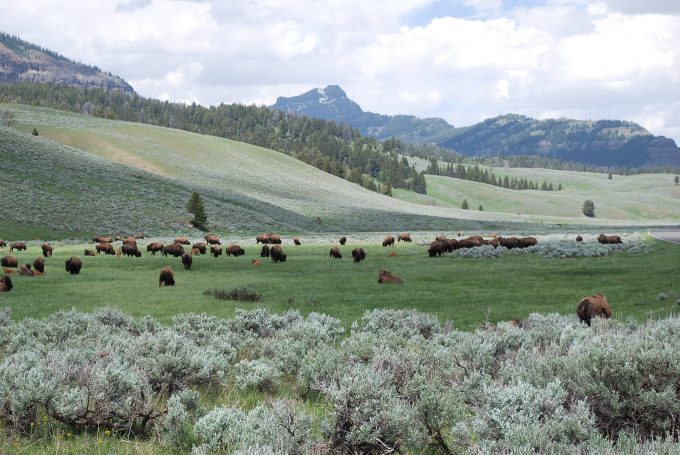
x=604, y=239
x=73, y=265
x=166, y=277
x=277, y=254
x=187, y=260
x=595, y=305
x=358, y=255
x=335, y=253
x=5, y=284
x=437, y=248
x=579, y=238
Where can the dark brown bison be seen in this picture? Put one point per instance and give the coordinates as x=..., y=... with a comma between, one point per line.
x=264, y=252
x=526, y=242
x=131, y=250
x=102, y=239
x=8, y=261
x=187, y=260
x=358, y=255
x=296, y=241
x=3, y=243
x=25, y=270
x=182, y=241
x=494, y=242
x=234, y=250
x=5, y=284
x=441, y=238
x=47, y=249
x=437, y=248
x=451, y=244
x=275, y=239
x=19, y=246
x=215, y=250
x=73, y=265
x=343, y=240
x=174, y=250
x=166, y=277
x=39, y=264
x=89, y=252
x=389, y=241
x=509, y=242
x=263, y=238
x=579, y=238
x=404, y=237
x=154, y=247
x=386, y=277
x=471, y=242
x=605, y=239
x=595, y=305
x=105, y=248
x=212, y=239
x=335, y=253
x=277, y=254
x=202, y=247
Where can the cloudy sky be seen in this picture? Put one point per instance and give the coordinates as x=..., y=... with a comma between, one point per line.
x=463, y=60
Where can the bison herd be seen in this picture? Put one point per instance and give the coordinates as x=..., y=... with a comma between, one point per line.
x=595, y=305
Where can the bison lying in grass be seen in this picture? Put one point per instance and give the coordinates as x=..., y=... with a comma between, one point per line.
x=595, y=305
x=5, y=284
x=386, y=277
x=9, y=261
x=166, y=277
x=89, y=252
x=73, y=265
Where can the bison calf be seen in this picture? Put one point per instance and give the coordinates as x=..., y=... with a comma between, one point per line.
x=595, y=305
x=73, y=265
x=386, y=277
x=89, y=252
x=166, y=278
x=5, y=284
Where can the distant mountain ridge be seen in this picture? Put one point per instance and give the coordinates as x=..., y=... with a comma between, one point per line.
x=21, y=61
x=603, y=142
x=332, y=103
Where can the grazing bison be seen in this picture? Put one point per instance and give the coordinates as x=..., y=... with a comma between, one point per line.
x=386, y=277
x=187, y=260
x=166, y=277
x=8, y=261
x=88, y=252
x=579, y=238
x=358, y=254
x=264, y=252
x=131, y=250
x=343, y=240
x=526, y=242
x=39, y=264
x=277, y=254
x=256, y=262
x=202, y=247
x=593, y=306
x=19, y=246
x=404, y=237
x=154, y=247
x=47, y=249
x=234, y=250
x=389, y=241
x=73, y=265
x=182, y=241
x=437, y=248
x=3, y=243
x=335, y=253
x=212, y=239
x=106, y=248
x=275, y=239
x=215, y=250
x=605, y=239
x=174, y=250
x=25, y=270
x=296, y=241
x=5, y=284
x=102, y=239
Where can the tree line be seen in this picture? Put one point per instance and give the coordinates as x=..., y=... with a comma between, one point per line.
x=335, y=148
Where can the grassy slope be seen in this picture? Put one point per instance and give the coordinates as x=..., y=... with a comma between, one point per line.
x=463, y=290
x=636, y=197
x=282, y=193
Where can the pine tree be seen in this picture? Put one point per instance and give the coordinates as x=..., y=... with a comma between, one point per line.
x=481, y=208
x=559, y=188
x=589, y=208
x=610, y=176
x=465, y=205
x=35, y=132
x=195, y=206
x=677, y=179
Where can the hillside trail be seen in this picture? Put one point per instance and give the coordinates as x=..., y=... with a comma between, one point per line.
x=672, y=236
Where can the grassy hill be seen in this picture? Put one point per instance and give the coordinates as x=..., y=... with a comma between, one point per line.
x=643, y=197
x=84, y=174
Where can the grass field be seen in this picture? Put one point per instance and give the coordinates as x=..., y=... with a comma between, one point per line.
x=463, y=290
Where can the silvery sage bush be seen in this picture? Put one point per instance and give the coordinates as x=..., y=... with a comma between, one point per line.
x=405, y=323
x=257, y=374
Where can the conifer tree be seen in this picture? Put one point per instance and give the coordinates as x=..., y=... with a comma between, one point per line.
x=195, y=207
x=465, y=205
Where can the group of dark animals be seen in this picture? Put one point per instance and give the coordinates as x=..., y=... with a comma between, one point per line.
x=589, y=307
